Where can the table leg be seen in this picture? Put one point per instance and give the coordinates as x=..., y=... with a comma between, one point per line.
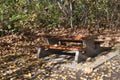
x=77, y=56
x=42, y=52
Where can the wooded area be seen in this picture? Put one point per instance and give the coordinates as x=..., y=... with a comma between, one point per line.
x=25, y=26
x=17, y=15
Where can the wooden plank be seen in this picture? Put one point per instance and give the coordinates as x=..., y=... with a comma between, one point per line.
x=57, y=47
x=66, y=37
x=69, y=40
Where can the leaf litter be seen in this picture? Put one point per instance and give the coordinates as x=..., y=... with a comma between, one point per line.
x=18, y=59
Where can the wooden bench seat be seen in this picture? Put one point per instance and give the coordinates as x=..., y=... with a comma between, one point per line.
x=61, y=47
x=45, y=49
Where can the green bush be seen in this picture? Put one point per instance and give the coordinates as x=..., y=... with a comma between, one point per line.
x=17, y=15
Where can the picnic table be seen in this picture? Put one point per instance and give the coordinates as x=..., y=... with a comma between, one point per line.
x=78, y=44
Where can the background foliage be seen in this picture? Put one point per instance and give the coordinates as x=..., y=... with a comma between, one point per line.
x=16, y=15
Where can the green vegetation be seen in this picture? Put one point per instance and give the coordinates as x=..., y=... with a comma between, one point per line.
x=17, y=15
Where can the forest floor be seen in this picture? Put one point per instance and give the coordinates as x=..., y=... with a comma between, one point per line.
x=18, y=59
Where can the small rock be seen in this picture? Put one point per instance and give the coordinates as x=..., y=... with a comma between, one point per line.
x=87, y=70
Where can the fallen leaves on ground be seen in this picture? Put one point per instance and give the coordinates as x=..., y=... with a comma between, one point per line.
x=18, y=59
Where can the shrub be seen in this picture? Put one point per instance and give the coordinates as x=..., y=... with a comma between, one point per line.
x=17, y=15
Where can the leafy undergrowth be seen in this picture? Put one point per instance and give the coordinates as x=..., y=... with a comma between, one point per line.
x=18, y=54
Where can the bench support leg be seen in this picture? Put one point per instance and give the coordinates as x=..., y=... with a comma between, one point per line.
x=38, y=52
x=42, y=52
x=77, y=56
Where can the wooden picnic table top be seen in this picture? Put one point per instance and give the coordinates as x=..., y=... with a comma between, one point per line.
x=68, y=37
x=73, y=38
